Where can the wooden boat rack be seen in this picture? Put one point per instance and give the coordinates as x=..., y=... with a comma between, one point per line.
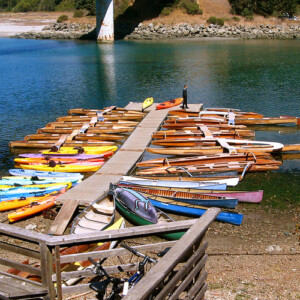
x=171, y=276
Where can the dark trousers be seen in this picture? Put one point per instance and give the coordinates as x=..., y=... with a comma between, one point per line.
x=184, y=104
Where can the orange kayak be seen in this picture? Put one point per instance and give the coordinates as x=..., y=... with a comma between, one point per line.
x=30, y=209
x=17, y=203
x=170, y=103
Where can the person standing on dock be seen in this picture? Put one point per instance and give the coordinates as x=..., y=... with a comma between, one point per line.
x=231, y=118
x=184, y=96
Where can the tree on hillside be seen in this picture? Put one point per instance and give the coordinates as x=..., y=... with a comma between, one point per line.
x=89, y=5
x=264, y=7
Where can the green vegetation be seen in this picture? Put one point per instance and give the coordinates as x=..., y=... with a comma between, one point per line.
x=248, y=8
x=62, y=18
x=214, y=20
x=78, y=13
x=236, y=19
x=191, y=7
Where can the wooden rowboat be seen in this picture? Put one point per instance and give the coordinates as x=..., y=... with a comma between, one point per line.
x=192, y=160
x=108, y=118
x=95, y=217
x=195, y=126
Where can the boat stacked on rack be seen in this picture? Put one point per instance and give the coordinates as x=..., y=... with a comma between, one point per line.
x=78, y=143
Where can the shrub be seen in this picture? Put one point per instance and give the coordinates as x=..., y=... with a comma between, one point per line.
x=62, y=18
x=166, y=11
x=66, y=5
x=212, y=20
x=78, y=13
x=26, y=5
x=247, y=12
x=236, y=19
x=220, y=22
x=249, y=18
x=191, y=7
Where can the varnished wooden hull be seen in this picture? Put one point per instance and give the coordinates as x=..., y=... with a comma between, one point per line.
x=79, y=137
x=184, y=161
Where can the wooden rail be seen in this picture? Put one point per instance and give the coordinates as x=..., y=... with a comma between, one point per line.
x=46, y=250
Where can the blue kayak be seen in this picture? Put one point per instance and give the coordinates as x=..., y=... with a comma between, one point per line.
x=192, y=211
x=42, y=174
x=19, y=192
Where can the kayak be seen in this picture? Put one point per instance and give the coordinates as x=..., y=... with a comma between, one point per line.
x=43, y=174
x=139, y=211
x=62, y=168
x=170, y=103
x=25, y=192
x=86, y=150
x=4, y=188
x=43, y=160
x=30, y=209
x=27, y=181
x=175, y=183
x=147, y=103
x=76, y=156
x=17, y=203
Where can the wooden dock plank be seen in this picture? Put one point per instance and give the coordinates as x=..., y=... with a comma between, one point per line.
x=122, y=161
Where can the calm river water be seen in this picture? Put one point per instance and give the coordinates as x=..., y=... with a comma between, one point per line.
x=41, y=80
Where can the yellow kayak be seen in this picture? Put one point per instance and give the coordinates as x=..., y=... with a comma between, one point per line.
x=38, y=186
x=147, y=102
x=86, y=150
x=62, y=168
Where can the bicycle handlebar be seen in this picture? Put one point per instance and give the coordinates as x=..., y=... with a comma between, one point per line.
x=135, y=252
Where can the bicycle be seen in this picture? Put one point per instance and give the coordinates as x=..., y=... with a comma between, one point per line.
x=120, y=287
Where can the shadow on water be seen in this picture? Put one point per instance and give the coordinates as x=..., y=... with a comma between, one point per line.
x=136, y=13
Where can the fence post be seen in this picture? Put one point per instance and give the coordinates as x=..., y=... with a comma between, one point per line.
x=47, y=269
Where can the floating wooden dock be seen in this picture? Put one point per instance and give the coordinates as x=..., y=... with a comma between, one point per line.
x=122, y=161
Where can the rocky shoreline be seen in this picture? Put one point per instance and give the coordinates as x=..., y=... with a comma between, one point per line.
x=156, y=32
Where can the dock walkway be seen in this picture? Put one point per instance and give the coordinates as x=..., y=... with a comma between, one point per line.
x=123, y=160
x=118, y=165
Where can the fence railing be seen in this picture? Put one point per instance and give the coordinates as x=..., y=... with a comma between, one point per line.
x=46, y=250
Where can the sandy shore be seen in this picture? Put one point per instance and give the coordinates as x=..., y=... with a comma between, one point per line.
x=12, y=24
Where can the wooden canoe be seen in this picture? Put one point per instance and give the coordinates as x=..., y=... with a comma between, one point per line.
x=106, y=110
x=44, y=144
x=196, y=198
x=79, y=137
x=237, y=166
x=95, y=217
x=242, y=196
x=108, y=118
x=93, y=130
x=169, y=104
x=191, y=160
x=62, y=124
x=267, y=121
x=171, y=134
x=195, y=126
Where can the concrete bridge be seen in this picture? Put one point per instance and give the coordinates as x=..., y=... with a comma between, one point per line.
x=105, y=20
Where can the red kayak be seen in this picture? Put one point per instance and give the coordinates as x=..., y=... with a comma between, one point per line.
x=170, y=103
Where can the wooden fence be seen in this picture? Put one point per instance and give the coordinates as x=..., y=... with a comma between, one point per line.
x=170, y=270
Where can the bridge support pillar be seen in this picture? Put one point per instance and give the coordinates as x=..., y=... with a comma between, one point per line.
x=105, y=20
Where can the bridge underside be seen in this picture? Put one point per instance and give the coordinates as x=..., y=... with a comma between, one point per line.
x=105, y=20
